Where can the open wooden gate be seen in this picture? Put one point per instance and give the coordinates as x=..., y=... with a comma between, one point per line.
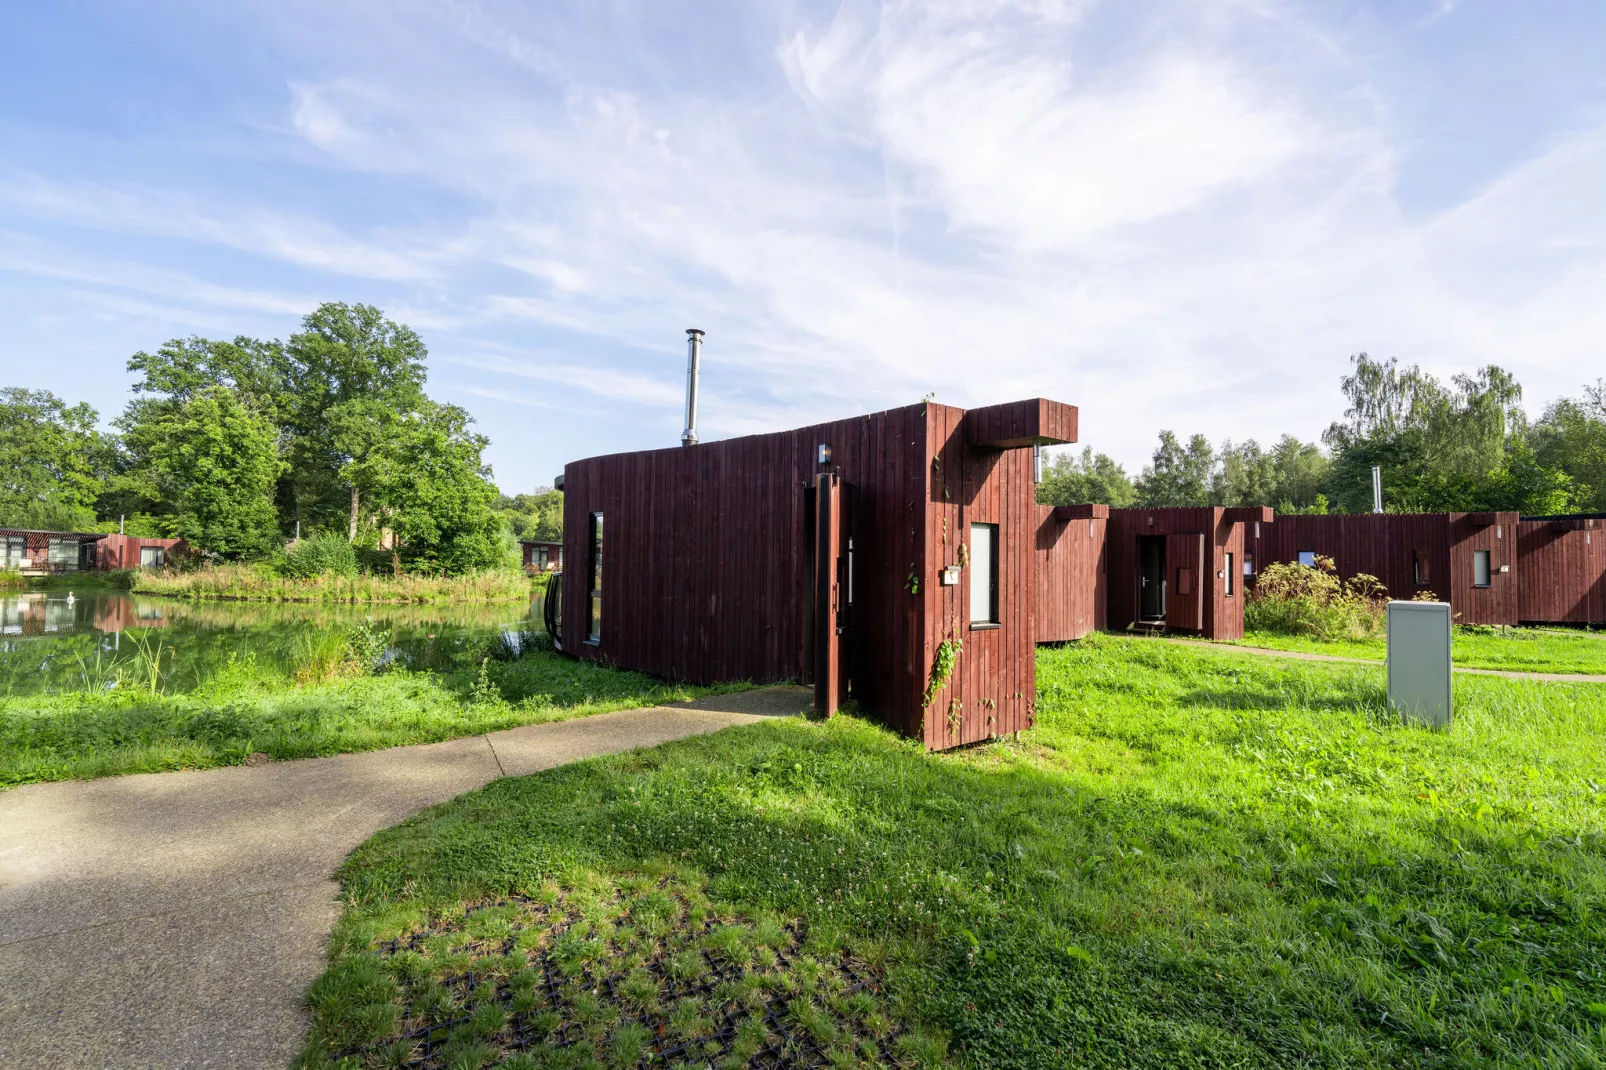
x=823, y=601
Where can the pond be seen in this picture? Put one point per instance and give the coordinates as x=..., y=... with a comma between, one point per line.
x=97, y=638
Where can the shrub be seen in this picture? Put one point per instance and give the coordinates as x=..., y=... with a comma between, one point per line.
x=319, y=555
x=1306, y=600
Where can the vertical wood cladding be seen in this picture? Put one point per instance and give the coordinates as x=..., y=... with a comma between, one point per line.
x=707, y=570
x=1220, y=615
x=1411, y=554
x=1072, y=581
x=1561, y=570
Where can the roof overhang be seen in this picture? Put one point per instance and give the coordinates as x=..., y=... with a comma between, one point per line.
x=1017, y=424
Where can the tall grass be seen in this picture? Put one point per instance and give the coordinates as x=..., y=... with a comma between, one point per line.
x=12, y=580
x=250, y=584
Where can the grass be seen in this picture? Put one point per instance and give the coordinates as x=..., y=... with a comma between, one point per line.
x=1476, y=647
x=253, y=584
x=333, y=708
x=1194, y=860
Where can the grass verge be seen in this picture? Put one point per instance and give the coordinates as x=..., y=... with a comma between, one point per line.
x=242, y=709
x=1194, y=860
x=252, y=584
x=1476, y=647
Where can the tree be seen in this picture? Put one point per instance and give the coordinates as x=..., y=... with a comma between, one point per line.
x=1092, y=477
x=349, y=370
x=540, y=515
x=53, y=462
x=1290, y=476
x=210, y=463
x=1178, y=475
x=428, y=481
x=1571, y=439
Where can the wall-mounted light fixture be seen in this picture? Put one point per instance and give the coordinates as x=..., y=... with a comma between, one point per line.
x=824, y=453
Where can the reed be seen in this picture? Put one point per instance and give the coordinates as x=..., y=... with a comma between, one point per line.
x=250, y=584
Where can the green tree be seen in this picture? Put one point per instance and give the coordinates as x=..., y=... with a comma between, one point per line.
x=350, y=370
x=540, y=515
x=1289, y=476
x=1571, y=439
x=1070, y=479
x=1178, y=475
x=210, y=463
x=53, y=462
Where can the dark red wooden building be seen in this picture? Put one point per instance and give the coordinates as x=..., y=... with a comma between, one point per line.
x=844, y=554
x=541, y=556
x=36, y=552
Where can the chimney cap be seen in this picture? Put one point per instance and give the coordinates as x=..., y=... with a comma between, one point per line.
x=698, y=331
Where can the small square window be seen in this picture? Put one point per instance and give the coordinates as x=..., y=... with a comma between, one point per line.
x=1307, y=558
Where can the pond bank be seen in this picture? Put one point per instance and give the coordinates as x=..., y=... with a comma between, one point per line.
x=246, y=583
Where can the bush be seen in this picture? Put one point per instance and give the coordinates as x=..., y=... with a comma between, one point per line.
x=1306, y=600
x=318, y=555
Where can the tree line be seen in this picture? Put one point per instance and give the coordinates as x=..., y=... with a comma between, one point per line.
x=233, y=445
x=1463, y=446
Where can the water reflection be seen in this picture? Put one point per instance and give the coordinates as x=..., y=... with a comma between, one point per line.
x=60, y=640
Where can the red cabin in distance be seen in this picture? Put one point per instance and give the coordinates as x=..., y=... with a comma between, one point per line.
x=844, y=555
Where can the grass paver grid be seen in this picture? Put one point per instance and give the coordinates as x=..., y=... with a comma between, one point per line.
x=758, y=1019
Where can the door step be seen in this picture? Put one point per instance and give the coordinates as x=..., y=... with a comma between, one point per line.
x=1156, y=627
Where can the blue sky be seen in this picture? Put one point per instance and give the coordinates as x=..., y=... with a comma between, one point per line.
x=1172, y=215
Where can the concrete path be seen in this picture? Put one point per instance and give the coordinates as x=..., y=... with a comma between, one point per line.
x=1301, y=655
x=174, y=919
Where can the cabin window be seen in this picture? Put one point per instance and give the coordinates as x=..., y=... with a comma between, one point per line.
x=594, y=603
x=1307, y=558
x=1480, y=568
x=152, y=556
x=62, y=553
x=12, y=550
x=1419, y=568
x=1227, y=572
x=1249, y=564
x=983, y=574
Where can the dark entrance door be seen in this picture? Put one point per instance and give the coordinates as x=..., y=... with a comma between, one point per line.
x=823, y=615
x=1151, y=577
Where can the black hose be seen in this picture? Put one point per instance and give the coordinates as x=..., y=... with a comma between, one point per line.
x=552, y=610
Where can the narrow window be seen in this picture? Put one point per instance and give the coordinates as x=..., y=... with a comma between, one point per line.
x=594, y=605
x=1480, y=568
x=1249, y=564
x=984, y=574
x=1307, y=558
x=1419, y=568
x=1227, y=572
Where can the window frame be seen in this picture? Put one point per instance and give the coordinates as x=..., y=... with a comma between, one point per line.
x=1228, y=589
x=1421, y=573
x=158, y=556
x=1300, y=555
x=1487, y=557
x=594, y=533
x=993, y=615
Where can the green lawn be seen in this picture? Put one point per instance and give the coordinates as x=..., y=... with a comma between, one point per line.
x=1195, y=860
x=245, y=707
x=1519, y=649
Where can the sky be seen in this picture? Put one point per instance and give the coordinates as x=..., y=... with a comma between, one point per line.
x=1172, y=215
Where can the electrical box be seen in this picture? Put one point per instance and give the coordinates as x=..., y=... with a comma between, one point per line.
x=1419, y=661
x=950, y=577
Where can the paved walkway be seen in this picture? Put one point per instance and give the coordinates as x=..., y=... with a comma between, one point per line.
x=174, y=919
x=1301, y=655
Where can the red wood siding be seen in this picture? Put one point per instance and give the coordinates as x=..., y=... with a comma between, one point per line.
x=1017, y=424
x=1384, y=545
x=706, y=572
x=1222, y=614
x=1561, y=571
x=1072, y=584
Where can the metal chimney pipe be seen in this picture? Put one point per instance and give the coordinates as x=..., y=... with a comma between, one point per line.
x=694, y=359
x=1377, y=489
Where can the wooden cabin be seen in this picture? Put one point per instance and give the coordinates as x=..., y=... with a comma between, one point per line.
x=1561, y=569
x=41, y=553
x=848, y=555
x=1466, y=559
x=541, y=556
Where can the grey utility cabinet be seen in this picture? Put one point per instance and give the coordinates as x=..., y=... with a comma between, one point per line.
x=1419, y=661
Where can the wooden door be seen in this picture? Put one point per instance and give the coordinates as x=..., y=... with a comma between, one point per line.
x=1184, y=556
x=827, y=644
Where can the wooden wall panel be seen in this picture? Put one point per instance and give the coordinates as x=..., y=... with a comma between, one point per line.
x=1222, y=614
x=1561, y=569
x=1071, y=578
